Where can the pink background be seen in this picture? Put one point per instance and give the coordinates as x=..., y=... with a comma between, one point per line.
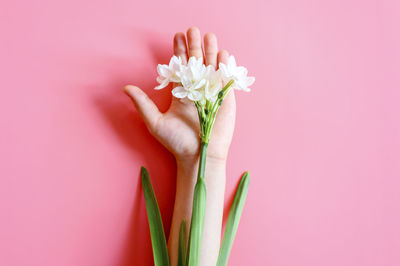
x=320, y=132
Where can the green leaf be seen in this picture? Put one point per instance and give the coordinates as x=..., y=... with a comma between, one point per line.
x=197, y=223
x=182, y=244
x=233, y=220
x=160, y=251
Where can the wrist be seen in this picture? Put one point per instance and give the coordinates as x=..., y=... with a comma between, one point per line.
x=190, y=162
x=215, y=162
x=187, y=167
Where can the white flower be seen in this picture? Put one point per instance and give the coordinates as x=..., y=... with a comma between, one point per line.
x=196, y=82
x=237, y=73
x=193, y=80
x=213, y=84
x=168, y=73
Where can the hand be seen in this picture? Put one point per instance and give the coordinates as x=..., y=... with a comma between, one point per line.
x=178, y=128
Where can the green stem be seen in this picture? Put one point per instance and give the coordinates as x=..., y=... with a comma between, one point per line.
x=202, y=162
x=198, y=211
x=209, y=121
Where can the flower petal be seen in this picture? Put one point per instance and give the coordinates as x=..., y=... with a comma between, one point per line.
x=164, y=83
x=195, y=95
x=163, y=71
x=232, y=61
x=179, y=92
x=250, y=81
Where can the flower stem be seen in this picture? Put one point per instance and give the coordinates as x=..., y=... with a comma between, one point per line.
x=202, y=162
x=198, y=211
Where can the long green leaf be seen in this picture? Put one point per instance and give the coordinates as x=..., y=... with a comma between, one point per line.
x=197, y=223
x=182, y=244
x=233, y=220
x=160, y=252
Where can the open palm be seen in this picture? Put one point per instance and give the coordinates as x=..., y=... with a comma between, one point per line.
x=178, y=128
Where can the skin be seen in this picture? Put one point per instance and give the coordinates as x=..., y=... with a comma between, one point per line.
x=178, y=130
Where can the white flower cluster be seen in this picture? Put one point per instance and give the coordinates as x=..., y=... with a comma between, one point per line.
x=201, y=83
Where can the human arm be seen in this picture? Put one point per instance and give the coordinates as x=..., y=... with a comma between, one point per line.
x=178, y=130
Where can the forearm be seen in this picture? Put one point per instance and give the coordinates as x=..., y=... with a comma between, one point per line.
x=215, y=176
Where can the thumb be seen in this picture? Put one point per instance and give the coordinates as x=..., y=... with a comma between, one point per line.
x=146, y=107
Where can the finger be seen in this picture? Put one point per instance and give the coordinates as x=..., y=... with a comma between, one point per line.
x=223, y=56
x=146, y=107
x=210, y=49
x=194, y=42
x=180, y=49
